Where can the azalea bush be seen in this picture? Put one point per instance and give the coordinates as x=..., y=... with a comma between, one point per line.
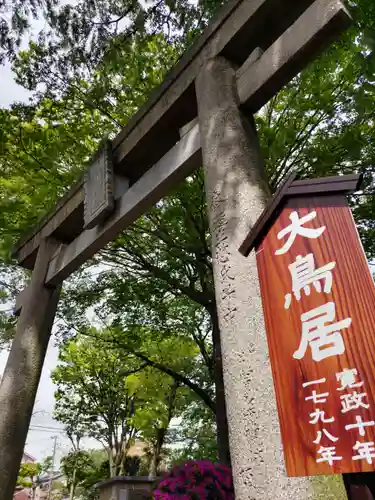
x=196, y=480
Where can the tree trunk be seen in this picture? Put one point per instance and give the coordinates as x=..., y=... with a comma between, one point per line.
x=222, y=436
x=112, y=465
x=73, y=485
x=154, y=464
x=160, y=436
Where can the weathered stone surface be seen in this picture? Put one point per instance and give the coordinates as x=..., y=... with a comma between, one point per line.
x=99, y=188
x=126, y=488
x=236, y=196
x=22, y=372
x=156, y=182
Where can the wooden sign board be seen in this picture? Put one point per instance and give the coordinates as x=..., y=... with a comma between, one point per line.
x=99, y=188
x=319, y=308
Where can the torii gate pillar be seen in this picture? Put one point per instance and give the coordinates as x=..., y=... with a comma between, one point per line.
x=24, y=366
x=236, y=196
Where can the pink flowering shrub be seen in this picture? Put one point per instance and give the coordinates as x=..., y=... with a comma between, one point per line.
x=196, y=480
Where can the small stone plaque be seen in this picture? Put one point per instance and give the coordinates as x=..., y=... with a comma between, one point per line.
x=99, y=196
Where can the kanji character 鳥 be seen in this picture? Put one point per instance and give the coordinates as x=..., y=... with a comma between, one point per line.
x=304, y=274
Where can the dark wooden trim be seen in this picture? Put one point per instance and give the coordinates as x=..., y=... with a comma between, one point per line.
x=337, y=183
x=262, y=224
x=344, y=184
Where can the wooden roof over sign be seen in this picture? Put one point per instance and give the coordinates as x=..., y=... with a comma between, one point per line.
x=344, y=184
x=286, y=33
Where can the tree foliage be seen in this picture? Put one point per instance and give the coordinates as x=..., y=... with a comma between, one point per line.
x=82, y=470
x=152, y=292
x=109, y=395
x=93, y=392
x=28, y=474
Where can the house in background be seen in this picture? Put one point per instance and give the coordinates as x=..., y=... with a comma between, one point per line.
x=27, y=459
x=20, y=492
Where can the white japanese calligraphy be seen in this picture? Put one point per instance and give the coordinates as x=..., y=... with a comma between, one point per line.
x=312, y=382
x=353, y=401
x=347, y=379
x=327, y=434
x=318, y=398
x=304, y=274
x=319, y=415
x=295, y=228
x=366, y=451
x=327, y=455
x=360, y=425
x=324, y=339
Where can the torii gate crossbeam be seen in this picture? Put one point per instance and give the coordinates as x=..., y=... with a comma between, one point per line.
x=248, y=52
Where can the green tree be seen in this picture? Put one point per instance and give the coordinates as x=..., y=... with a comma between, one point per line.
x=28, y=474
x=82, y=470
x=162, y=399
x=109, y=395
x=156, y=282
x=83, y=34
x=92, y=391
x=158, y=274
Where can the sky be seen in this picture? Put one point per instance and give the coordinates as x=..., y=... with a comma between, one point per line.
x=39, y=442
x=10, y=91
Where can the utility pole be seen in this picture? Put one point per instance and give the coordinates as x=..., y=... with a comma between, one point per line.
x=53, y=466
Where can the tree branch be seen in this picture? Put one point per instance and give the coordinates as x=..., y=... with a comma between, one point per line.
x=163, y=368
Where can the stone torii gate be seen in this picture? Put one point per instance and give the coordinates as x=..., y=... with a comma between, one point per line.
x=248, y=52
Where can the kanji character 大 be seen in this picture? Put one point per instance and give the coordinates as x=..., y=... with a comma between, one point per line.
x=366, y=451
x=360, y=425
x=327, y=455
x=324, y=339
x=297, y=227
x=319, y=415
x=353, y=401
x=327, y=434
x=347, y=379
x=304, y=274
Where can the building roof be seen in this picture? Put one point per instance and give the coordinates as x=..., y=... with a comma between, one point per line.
x=28, y=457
x=338, y=184
x=22, y=495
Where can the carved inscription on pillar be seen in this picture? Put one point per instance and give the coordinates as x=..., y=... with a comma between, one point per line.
x=223, y=261
x=99, y=197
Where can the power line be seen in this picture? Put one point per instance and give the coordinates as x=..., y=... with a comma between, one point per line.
x=47, y=427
